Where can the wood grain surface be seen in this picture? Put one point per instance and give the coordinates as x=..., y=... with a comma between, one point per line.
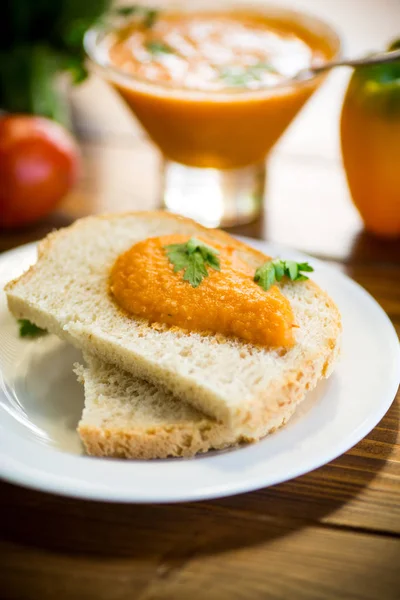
x=333, y=533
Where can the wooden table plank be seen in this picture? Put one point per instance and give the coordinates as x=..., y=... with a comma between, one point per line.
x=33, y=574
x=304, y=564
x=192, y=551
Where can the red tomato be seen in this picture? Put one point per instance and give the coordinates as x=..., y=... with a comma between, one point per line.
x=39, y=163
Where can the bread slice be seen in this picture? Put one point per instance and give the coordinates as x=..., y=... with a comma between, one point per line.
x=236, y=383
x=126, y=417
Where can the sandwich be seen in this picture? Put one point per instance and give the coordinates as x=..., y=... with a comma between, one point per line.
x=193, y=340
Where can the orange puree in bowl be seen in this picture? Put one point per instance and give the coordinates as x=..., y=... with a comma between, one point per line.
x=213, y=89
x=229, y=302
x=212, y=51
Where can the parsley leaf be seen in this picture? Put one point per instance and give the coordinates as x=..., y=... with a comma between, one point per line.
x=147, y=14
x=193, y=257
x=195, y=270
x=291, y=269
x=275, y=270
x=240, y=76
x=127, y=11
x=305, y=267
x=265, y=276
x=28, y=329
x=150, y=17
x=279, y=269
x=158, y=47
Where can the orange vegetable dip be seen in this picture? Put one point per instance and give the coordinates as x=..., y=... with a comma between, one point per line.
x=194, y=80
x=229, y=302
x=197, y=48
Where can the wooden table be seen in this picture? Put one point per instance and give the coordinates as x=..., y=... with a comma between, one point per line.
x=333, y=533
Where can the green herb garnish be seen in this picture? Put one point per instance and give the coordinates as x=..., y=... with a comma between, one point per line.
x=148, y=15
x=193, y=256
x=240, y=76
x=127, y=11
x=28, y=329
x=274, y=270
x=158, y=47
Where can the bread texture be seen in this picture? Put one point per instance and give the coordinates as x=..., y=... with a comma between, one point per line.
x=126, y=417
x=238, y=384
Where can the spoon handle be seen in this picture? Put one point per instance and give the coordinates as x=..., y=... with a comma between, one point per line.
x=374, y=59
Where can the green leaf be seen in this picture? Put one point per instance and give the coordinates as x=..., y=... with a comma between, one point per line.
x=127, y=11
x=15, y=80
x=76, y=68
x=209, y=254
x=150, y=17
x=157, y=47
x=196, y=270
x=39, y=40
x=213, y=261
x=261, y=67
x=45, y=97
x=274, y=270
x=28, y=77
x=305, y=267
x=240, y=76
x=192, y=245
x=74, y=33
x=179, y=259
x=235, y=76
x=193, y=257
x=265, y=275
x=28, y=329
x=175, y=247
x=279, y=267
x=291, y=269
x=147, y=14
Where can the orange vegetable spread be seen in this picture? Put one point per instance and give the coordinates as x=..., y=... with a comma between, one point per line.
x=229, y=302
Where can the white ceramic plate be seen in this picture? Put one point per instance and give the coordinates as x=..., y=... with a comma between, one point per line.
x=41, y=402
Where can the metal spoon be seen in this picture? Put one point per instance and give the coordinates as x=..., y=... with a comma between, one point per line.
x=374, y=59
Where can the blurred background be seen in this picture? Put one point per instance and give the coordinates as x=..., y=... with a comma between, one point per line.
x=308, y=203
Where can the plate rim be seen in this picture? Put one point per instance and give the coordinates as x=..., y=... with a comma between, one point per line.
x=47, y=482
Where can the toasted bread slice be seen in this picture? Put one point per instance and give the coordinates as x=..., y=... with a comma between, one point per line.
x=126, y=417
x=236, y=383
